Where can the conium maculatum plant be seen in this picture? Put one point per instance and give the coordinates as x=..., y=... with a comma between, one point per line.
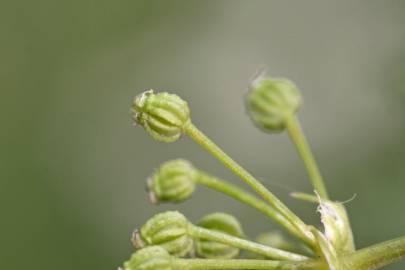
x=170, y=241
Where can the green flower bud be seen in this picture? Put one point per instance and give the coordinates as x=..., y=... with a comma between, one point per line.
x=270, y=101
x=173, y=182
x=149, y=258
x=223, y=223
x=168, y=230
x=163, y=115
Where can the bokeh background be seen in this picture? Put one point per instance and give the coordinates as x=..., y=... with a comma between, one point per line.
x=73, y=169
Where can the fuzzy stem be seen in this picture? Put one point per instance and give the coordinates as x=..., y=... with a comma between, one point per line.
x=247, y=198
x=218, y=264
x=217, y=152
x=274, y=253
x=298, y=137
x=378, y=255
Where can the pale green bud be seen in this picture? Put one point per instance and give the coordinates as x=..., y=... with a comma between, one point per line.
x=270, y=101
x=168, y=230
x=220, y=222
x=173, y=182
x=163, y=115
x=149, y=258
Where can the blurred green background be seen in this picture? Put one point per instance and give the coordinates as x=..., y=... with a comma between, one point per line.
x=72, y=168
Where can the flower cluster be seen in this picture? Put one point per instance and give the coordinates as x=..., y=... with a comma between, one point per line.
x=170, y=241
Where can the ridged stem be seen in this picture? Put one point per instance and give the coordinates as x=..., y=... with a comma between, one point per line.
x=377, y=256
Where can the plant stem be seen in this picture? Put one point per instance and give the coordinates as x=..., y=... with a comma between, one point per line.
x=218, y=264
x=298, y=137
x=305, y=197
x=377, y=256
x=273, y=253
x=217, y=152
x=247, y=198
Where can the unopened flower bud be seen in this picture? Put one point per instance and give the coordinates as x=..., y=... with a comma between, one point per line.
x=173, y=182
x=220, y=222
x=270, y=101
x=149, y=258
x=163, y=115
x=170, y=231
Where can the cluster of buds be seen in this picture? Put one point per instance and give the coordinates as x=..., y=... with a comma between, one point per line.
x=180, y=238
x=170, y=241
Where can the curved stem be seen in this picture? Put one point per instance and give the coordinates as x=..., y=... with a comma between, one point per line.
x=224, y=238
x=218, y=264
x=377, y=256
x=298, y=137
x=247, y=198
x=217, y=152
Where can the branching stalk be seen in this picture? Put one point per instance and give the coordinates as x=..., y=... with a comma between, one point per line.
x=215, y=264
x=224, y=238
x=249, y=199
x=267, y=195
x=272, y=104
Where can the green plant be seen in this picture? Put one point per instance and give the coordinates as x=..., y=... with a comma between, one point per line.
x=170, y=241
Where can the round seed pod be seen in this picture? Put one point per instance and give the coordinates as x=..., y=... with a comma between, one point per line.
x=149, y=258
x=163, y=115
x=173, y=182
x=220, y=222
x=270, y=101
x=170, y=231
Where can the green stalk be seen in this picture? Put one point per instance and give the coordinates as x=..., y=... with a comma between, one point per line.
x=217, y=152
x=218, y=264
x=305, y=197
x=377, y=256
x=298, y=137
x=247, y=198
x=274, y=253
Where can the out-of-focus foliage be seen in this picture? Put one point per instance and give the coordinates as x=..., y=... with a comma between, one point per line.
x=73, y=170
